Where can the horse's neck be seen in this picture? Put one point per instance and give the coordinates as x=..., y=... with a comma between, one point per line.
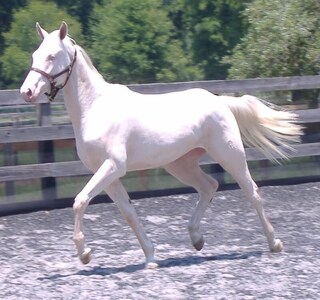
x=83, y=87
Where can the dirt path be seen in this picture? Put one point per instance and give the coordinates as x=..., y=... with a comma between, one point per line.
x=38, y=262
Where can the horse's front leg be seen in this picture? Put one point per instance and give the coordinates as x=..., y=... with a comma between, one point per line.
x=108, y=172
x=119, y=195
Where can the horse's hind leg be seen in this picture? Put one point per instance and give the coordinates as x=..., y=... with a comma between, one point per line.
x=232, y=158
x=187, y=170
x=252, y=192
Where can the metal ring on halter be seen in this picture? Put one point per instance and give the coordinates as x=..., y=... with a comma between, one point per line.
x=51, y=78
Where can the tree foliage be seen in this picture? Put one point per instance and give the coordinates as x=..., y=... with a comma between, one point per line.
x=133, y=41
x=209, y=29
x=22, y=38
x=79, y=9
x=6, y=11
x=130, y=41
x=283, y=39
x=170, y=40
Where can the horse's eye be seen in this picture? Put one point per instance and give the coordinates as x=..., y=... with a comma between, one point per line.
x=51, y=57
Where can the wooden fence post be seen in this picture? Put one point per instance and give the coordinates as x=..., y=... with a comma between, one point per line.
x=46, y=154
x=9, y=160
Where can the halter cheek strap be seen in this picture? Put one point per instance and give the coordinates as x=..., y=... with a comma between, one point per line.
x=51, y=78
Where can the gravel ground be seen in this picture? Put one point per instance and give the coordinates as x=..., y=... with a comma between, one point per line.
x=38, y=256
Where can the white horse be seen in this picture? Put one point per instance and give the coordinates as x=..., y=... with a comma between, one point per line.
x=118, y=130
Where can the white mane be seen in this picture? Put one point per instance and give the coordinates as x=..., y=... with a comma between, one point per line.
x=84, y=54
x=87, y=59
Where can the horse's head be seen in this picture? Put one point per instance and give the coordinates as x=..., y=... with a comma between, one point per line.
x=52, y=64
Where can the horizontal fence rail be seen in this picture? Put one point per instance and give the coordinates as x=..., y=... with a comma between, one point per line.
x=76, y=168
x=234, y=86
x=60, y=132
x=11, y=97
x=43, y=132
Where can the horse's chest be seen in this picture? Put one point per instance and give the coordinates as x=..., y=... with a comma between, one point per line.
x=96, y=139
x=91, y=152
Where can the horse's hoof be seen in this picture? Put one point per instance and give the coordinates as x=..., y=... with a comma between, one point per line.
x=278, y=246
x=86, y=256
x=199, y=244
x=151, y=265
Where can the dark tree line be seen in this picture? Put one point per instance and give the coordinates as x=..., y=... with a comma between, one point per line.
x=171, y=40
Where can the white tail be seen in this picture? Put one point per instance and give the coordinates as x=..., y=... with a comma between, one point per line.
x=265, y=127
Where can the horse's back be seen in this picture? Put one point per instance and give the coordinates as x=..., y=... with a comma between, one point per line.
x=157, y=129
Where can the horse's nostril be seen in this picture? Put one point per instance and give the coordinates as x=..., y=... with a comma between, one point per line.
x=29, y=93
x=26, y=94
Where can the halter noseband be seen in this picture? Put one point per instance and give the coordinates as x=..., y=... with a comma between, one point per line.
x=51, y=78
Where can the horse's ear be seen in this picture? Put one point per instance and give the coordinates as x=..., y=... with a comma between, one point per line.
x=42, y=33
x=63, y=30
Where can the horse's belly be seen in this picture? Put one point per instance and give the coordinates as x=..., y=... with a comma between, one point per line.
x=157, y=153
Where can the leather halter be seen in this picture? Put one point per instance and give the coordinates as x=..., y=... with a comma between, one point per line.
x=51, y=78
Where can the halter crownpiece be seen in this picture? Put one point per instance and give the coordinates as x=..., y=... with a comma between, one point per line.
x=51, y=78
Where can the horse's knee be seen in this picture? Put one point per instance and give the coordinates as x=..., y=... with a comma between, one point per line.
x=80, y=203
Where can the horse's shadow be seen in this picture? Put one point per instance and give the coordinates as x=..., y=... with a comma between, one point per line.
x=166, y=263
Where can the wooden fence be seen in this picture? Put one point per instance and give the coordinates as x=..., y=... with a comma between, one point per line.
x=43, y=131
